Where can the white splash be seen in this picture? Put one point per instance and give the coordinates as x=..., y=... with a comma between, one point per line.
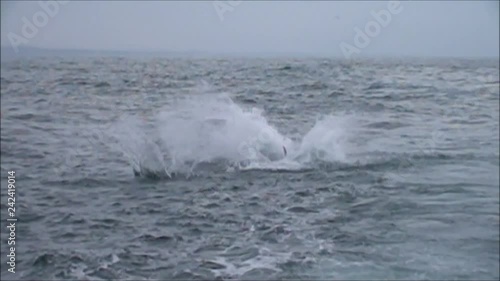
x=212, y=129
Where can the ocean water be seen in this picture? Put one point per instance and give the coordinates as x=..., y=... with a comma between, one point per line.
x=137, y=169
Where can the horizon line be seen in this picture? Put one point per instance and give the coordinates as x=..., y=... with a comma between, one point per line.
x=232, y=53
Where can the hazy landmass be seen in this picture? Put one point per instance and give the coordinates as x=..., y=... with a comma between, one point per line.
x=8, y=54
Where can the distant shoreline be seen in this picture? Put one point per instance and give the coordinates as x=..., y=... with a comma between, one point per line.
x=7, y=54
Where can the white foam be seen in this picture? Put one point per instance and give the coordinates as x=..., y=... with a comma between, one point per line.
x=265, y=260
x=209, y=128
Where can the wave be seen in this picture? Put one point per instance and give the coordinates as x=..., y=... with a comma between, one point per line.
x=208, y=132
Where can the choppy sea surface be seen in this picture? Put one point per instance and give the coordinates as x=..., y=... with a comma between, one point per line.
x=136, y=169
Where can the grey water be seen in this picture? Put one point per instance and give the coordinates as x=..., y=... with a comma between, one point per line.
x=392, y=169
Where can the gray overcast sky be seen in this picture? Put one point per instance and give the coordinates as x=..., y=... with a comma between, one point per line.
x=421, y=29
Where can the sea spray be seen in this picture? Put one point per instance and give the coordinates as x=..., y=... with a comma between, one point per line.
x=212, y=129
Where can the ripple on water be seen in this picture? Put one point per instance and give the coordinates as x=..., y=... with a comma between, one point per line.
x=404, y=203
